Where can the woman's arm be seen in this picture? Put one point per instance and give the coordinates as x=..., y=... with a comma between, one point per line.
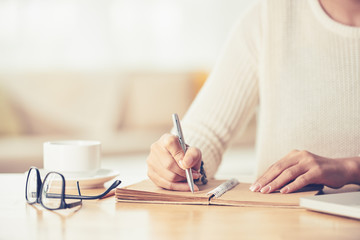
x=301, y=168
x=224, y=105
x=230, y=96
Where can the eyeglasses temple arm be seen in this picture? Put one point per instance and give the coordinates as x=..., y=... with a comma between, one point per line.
x=74, y=204
x=68, y=196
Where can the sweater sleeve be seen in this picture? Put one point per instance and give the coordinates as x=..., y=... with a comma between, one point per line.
x=229, y=97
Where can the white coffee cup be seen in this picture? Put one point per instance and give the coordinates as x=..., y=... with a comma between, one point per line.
x=73, y=158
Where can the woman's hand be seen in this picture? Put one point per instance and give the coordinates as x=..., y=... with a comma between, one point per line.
x=167, y=162
x=305, y=168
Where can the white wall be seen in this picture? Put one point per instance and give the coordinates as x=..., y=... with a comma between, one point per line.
x=46, y=35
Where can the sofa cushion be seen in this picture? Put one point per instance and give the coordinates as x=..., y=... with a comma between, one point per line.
x=66, y=103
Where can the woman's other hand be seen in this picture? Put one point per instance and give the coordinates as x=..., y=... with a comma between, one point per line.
x=300, y=168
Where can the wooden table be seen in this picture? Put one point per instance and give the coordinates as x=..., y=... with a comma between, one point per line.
x=106, y=219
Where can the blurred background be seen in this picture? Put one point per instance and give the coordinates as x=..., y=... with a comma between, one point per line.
x=108, y=70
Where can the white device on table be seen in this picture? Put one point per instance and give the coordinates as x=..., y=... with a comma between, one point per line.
x=342, y=204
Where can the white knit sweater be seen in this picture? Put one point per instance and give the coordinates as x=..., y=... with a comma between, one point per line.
x=294, y=66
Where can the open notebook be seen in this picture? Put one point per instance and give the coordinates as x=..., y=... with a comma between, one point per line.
x=240, y=195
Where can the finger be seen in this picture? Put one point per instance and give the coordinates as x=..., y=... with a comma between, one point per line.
x=275, y=170
x=285, y=177
x=162, y=162
x=192, y=158
x=160, y=159
x=161, y=182
x=300, y=182
x=166, y=173
x=172, y=145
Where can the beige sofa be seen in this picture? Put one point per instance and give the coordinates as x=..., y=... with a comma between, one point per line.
x=125, y=111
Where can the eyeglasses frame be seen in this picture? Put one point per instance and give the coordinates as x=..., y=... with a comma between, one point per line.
x=63, y=196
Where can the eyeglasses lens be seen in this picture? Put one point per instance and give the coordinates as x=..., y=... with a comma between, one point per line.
x=51, y=191
x=31, y=190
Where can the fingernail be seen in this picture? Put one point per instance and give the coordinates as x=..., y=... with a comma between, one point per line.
x=285, y=190
x=181, y=164
x=255, y=187
x=266, y=189
x=196, y=175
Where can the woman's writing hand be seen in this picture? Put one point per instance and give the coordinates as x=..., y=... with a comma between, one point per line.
x=167, y=162
x=303, y=168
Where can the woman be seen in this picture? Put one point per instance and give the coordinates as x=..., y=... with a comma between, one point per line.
x=296, y=62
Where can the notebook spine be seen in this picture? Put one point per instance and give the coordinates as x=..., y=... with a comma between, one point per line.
x=223, y=188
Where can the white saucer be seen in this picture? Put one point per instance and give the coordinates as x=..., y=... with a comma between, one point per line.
x=95, y=181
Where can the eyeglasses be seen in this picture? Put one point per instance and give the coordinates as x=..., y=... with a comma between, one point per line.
x=51, y=192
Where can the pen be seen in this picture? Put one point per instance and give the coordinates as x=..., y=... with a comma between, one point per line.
x=189, y=176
